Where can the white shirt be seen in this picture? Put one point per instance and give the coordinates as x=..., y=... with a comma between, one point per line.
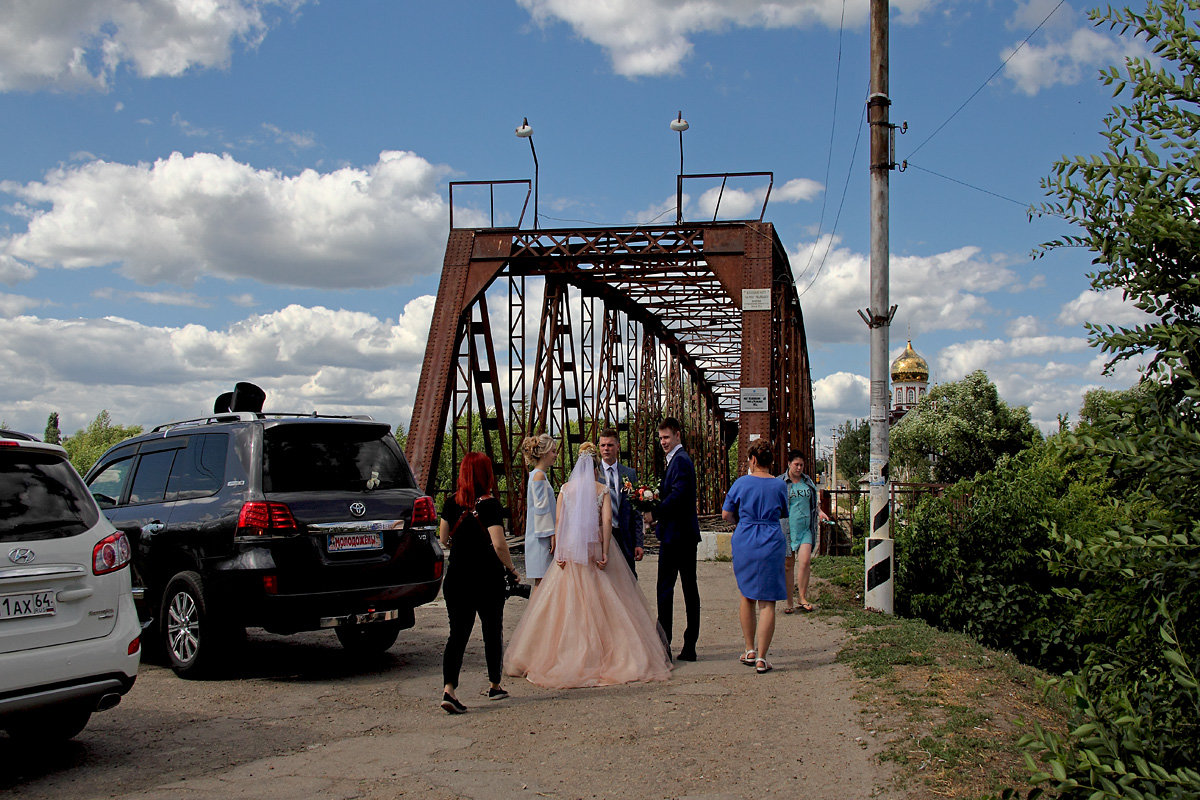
x=674, y=450
x=612, y=478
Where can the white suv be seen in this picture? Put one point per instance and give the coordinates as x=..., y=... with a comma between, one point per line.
x=69, y=634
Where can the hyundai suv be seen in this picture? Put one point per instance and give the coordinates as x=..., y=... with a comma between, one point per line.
x=286, y=522
x=69, y=632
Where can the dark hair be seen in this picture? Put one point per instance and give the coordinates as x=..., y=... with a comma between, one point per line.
x=475, y=479
x=793, y=454
x=610, y=433
x=762, y=452
x=671, y=424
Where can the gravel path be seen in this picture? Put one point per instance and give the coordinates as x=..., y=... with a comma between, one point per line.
x=300, y=719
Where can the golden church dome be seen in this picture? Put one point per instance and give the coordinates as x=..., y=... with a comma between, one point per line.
x=909, y=366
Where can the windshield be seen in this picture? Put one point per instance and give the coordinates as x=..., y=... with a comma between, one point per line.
x=41, y=497
x=337, y=457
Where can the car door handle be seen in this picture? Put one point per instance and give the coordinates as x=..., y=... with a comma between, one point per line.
x=153, y=527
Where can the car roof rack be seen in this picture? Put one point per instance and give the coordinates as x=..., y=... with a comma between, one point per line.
x=250, y=416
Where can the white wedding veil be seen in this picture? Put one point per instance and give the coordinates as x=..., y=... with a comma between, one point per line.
x=578, y=536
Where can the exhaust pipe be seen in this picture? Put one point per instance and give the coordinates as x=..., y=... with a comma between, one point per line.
x=108, y=701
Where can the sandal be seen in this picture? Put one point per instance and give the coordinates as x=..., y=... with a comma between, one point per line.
x=762, y=666
x=806, y=607
x=789, y=610
x=749, y=657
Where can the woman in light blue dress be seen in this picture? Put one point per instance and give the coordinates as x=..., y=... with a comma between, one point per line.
x=756, y=502
x=540, y=452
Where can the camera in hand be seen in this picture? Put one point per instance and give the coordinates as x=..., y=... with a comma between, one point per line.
x=514, y=588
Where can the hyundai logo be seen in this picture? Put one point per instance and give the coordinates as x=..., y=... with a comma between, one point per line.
x=358, y=509
x=21, y=555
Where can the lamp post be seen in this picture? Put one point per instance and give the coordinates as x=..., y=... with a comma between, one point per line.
x=679, y=125
x=524, y=131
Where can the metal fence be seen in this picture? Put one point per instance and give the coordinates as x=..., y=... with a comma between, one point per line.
x=844, y=526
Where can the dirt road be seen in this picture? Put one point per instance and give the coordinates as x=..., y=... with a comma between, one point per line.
x=300, y=719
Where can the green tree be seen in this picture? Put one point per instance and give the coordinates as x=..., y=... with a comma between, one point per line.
x=89, y=444
x=52, y=435
x=853, y=450
x=963, y=428
x=1138, y=694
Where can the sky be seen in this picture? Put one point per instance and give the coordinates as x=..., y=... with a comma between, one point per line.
x=196, y=192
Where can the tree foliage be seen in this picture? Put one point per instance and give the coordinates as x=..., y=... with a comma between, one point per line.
x=1138, y=729
x=963, y=428
x=87, y=445
x=52, y=435
x=853, y=450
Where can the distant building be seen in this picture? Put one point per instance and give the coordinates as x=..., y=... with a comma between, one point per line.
x=910, y=379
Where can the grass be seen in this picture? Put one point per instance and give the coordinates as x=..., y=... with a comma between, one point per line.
x=951, y=710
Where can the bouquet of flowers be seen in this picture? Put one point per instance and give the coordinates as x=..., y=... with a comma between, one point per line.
x=644, y=497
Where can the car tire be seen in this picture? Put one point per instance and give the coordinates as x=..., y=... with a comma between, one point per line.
x=188, y=630
x=56, y=724
x=371, y=639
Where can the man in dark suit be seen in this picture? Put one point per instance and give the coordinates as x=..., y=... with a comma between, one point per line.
x=678, y=535
x=627, y=524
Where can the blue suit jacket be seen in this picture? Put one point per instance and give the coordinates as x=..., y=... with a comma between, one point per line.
x=676, y=514
x=628, y=522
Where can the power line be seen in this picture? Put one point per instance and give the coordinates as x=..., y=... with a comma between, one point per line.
x=1004, y=64
x=837, y=84
x=1027, y=206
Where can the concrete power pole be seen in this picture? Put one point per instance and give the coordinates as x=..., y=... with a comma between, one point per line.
x=879, y=551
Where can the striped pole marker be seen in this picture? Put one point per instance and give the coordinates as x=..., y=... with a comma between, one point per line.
x=879, y=586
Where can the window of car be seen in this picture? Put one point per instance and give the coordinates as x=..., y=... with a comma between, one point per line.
x=332, y=457
x=150, y=480
x=41, y=497
x=109, y=483
x=198, y=469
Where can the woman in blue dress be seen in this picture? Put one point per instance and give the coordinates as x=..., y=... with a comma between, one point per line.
x=540, y=452
x=756, y=502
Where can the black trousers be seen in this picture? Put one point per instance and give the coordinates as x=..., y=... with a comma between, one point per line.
x=466, y=599
x=677, y=560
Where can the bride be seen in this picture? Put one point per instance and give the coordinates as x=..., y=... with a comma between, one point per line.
x=587, y=623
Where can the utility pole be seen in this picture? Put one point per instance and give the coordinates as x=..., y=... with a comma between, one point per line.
x=880, y=550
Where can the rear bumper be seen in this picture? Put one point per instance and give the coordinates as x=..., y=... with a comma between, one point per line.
x=289, y=613
x=82, y=671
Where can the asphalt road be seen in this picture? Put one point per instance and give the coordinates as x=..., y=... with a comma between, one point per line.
x=299, y=718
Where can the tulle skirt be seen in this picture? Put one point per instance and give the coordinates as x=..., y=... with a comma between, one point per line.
x=588, y=627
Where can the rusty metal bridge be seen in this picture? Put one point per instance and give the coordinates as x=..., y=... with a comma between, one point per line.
x=569, y=331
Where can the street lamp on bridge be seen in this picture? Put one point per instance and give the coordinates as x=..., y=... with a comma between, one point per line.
x=524, y=131
x=679, y=125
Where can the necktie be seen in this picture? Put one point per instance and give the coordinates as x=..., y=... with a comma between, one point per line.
x=612, y=490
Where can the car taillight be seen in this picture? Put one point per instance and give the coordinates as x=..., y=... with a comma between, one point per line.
x=437, y=569
x=271, y=584
x=259, y=518
x=423, y=511
x=134, y=646
x=110, y=554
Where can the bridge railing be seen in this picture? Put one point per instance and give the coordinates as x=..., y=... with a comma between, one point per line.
x=492, y=198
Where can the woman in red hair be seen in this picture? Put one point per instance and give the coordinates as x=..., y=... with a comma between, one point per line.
x=472, y=531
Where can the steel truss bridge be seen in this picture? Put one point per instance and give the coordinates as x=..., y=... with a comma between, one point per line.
x=569, y=331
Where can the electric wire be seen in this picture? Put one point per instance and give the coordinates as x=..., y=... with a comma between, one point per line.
x=837, y=83
x=1003, y=64
x=1027, y=206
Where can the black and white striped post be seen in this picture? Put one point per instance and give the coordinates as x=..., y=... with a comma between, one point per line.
x=879, y=552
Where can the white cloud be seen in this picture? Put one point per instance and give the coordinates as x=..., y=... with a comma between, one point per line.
x=653, y=37
x=1108, y=307
x=839, y=397
x=81, y=44
x=962, y=358
x=188, y=299
x=943, y=291
x=1024, y=326
x=186, y=216
x=12, y=305
x=1065, y=59
x=334, y=361
x=797, y=189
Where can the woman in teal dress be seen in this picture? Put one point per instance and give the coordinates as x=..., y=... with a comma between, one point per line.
x=756, y=502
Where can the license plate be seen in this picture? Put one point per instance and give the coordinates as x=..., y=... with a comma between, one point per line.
x=34, y=604
x=364, y=540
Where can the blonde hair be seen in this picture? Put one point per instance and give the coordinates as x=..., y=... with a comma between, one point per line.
x=587, y=448
x=590, y=449
x=534, y=447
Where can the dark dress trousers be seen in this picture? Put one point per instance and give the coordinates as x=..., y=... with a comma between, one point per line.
x=678, y=534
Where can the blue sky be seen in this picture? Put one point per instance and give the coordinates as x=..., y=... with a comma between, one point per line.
x=194, y=192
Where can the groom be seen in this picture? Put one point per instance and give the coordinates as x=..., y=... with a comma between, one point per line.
x=678, y=536
x=626, y=523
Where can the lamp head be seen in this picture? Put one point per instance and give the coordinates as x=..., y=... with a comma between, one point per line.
x=524, y=131
x=679, y=124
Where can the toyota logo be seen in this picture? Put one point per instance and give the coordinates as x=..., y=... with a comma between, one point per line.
x=21, y=555
x=358, y=509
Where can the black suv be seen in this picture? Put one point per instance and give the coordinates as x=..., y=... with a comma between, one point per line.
x=286, y=522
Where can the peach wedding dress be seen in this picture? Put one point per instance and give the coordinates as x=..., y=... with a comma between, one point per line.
x=586, y=626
